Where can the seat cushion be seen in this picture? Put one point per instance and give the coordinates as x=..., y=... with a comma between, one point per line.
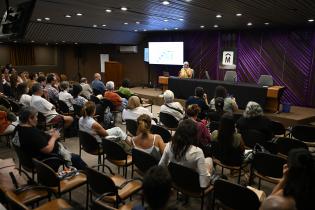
x=30, y=196
x=69, y=184
x=122, y=162
x=55, y=204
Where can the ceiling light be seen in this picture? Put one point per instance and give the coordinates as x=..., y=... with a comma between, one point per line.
x=46, y=43
x=32, y=41
x=165, y=2
x=15, y=41
x=94, y=25
x=135, y=30
x=188, y=0
x=165, y=29
x=310, y=20
x=165, y=20
x=47, y=18
x=126, y=23
x=215, y=26
x=79, y=14
x=108, y=10
x=176, y=28
x=144, y=29
x=266, y=23
x=68, y=16
x=56, y=42
x=181, y=19
x=239, y=14
x=104, y=25
x=249, y=24
x=218, y=16
x=63, y=41
x=137, y=22
x=39, y=19
x=202, y=26
x=124, y=8
x=76, y=43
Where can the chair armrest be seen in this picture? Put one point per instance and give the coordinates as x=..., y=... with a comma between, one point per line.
x=127, y=182
x=110, y=170
x=33, y=187
x=102, y=196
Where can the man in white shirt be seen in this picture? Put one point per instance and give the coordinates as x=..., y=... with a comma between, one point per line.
x=170, y=107
x=46, y=108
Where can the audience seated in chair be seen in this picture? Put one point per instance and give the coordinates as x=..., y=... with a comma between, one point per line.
x=65, y=96
x=230, y=146
x=46, y=108
x=276, y=202
x=39, y=144
x=181, y=150
x=22, y=94
x=145, y=141
x=88, y=124
x=230, y=104
x=51, y=88
x=119, y=103
x=124, y=89
x=86, y=88
x=170, y=107
x=134, y=110
x=253, y=119
x=298, y=181
x=200, y=98
x=97, y=84
x=203, y=134
x=77, y=98
x=215, y=115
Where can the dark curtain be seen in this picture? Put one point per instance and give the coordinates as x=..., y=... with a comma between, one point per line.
x=22, y=55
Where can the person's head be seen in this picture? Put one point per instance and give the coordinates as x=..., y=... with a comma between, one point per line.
x=186, y=64
x=144, y=125
x=277, y=202
x=157, y=184
x=63, y=77
x=133, y=102
x=14, y=80
x=125, y=83
x=64, y=85
x=110, y=85
x=226, y=130
x=184, y=137
x=76, y=90
x=193, y=110
x=83, y=80
x=88, y=109
x=168, y=96
x=32, y=76
x=42, y=80
x=253, y=109
x=37, y=89
x=97, y=76
x=21, y=89
x=220, y=91
x=51, y=79
x=219, y=104
x=28, y=115
x=199, y=91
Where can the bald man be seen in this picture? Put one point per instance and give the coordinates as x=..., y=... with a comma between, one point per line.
x=97, y=84
x=276, y=202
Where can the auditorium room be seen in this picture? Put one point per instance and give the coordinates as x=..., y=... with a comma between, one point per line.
x=157, y=105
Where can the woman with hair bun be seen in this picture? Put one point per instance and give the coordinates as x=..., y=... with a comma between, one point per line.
x=145, y=141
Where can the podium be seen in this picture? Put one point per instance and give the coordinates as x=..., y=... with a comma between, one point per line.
x=274, y=95
x=113, y=72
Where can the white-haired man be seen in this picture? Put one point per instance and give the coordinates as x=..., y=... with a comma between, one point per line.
x=186, y=71
x=110, y=94
x=170, y=107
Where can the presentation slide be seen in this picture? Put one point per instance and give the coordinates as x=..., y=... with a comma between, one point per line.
x=166, y=53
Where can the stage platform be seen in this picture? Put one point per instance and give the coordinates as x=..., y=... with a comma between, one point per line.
x=298, y=115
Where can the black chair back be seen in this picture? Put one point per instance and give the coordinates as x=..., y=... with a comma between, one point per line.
x=252, y=136
x=143, y=161
x=268, y=164
x=45, y=174
x=15, y=106
x=24, y=160
x=77, y=110
x=131, y=126
x=97, y=92
x=214, y=125
x=184, y=179
x=95, y=99
x=168, y=120
x=63, y=107
x=5, y=102
x=107, y=103
x=277, y=128
x=284, y=145
x=243, y=198
x=304, y=133
x=164, y=133
x=113, y=150
x=88, y=143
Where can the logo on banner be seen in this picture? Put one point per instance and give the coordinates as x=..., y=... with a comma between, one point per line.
x=227, y=58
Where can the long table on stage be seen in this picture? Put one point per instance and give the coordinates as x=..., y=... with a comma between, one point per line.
x=243, y=92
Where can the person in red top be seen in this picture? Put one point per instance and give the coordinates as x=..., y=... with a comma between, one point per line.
x=111, y=95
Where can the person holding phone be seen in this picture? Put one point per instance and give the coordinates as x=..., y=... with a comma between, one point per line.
x=201, y=99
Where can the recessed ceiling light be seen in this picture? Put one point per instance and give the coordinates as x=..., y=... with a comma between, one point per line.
x=47, y=18
x=32, y=41
x=202, y=26
x=144, y=29
x=188, y=0
x=79, y=14
x=94, y=25
x=39, y=19
x=15, y=41
x=310, y=20
x=165, y=2
x=63, y=41
x=165, y=29
x=266, y=23
x=181, y=19
x=165, y=20
x=76, y=43
x=137, y=22
x=104, y=25
x=239, y=14
x=124, y=8
x=46, y=43
x=176, y=28
x=218, y=16
x=126, y=23
x=215, y=26
x=249, y=24
x=68, y=16
x=108, y=10
x=135, y=30
x=56, y=42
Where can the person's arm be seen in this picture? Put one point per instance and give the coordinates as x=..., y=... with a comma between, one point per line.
x=203, y=169
x=160, y=143
x=51, y=143
x=234, y=105
x=280, y=186
x=99, y=129
x=165, y=159
x=205, y=97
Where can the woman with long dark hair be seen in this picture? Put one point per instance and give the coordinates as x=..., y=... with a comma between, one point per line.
x=230, y=104
x=181, y=150
x=230, y=146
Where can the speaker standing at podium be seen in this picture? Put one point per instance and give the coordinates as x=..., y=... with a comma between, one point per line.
x=186, y=72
